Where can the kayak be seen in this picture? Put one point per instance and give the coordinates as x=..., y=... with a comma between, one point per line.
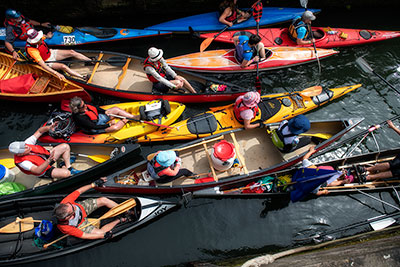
x=94, y=160
x=21, y=81
x=89, y=35
x=274, y=186
x=254, y=154
x=331, y=37
x=122, y=75
x=25, y=247
x=224, y=60
x=209, y=21
x=273, y=108
x=171, y=111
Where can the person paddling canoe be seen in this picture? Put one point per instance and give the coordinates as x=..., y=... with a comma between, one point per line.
x=161, y=75
x=246, y=109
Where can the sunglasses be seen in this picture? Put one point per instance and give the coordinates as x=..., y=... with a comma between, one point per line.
x=72, y=212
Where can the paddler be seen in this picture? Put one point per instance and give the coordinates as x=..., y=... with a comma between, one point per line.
x=249, y=49
x=230, y=12
x=299, y=30
x=161, y=75
x=246, y=109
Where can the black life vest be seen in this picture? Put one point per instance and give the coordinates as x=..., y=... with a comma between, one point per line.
x=293, y=29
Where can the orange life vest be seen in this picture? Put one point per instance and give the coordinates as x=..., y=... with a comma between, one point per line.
x=23, y=25
x=293, y=29
x=42, y=47
x=92, y=113
x=240, y=106
x=157, y=66
x=37, y=157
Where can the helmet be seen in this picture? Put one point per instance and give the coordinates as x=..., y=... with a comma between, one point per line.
x=155, y=54
x=12, y=14
x=251, y=99
x=299, y=124
x=166, y=158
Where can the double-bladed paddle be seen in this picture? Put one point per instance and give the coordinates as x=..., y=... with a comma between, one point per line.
x=142, y=121
x=257, y=14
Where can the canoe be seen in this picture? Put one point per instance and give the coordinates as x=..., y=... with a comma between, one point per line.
x=255, y=152
x=89, y=35
x=19, y=248
x=224, y=60
x=273, y=108
x=121, y=75
x=209, y=21
x=242, y=189
x=92, y=159
x=331, y=37
x=131, y=130
x=21, y=81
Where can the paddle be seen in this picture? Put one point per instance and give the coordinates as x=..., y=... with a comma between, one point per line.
x=97, y=158
x=367, y=68
x=19, y=225
x=257, y=14
x=325, y=136
x=142, y=121
x=304, y=3
x=8, y=163
x=113, y=61
x=206, y=43
x=117, y=210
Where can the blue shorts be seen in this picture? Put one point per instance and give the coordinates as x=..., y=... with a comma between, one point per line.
x=103, y=119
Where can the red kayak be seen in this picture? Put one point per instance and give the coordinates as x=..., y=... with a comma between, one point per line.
x=332, y=37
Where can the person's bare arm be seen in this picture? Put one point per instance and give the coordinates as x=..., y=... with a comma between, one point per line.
x=391, y=125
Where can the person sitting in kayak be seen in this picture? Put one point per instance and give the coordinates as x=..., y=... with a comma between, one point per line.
x=72, y=214
x=299, y=30
x=249, y=50
x=95, y=120
x=37, y=50
x=17, y=27
x=165, y=167
x=161, y=75
x=36, y=160
x=230, y=13
x=285, y=137
x=246, y=109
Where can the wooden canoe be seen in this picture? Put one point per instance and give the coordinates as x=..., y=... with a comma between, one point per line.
x=93, y=160
x=224, y=60
x=28, y=82
x=122, y=75
x=254, y=150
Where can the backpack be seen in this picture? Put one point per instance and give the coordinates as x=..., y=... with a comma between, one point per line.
x=65, y=125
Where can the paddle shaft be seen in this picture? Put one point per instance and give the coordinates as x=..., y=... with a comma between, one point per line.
x=142, y=121
x=383, y=79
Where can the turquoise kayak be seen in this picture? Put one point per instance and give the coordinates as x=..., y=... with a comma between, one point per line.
x=88, y=35
x=209, y=21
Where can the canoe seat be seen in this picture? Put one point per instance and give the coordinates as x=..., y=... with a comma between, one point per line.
x=40, y=84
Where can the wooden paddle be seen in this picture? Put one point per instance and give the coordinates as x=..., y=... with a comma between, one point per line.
x=19, y=225
x=117, y=210
x=142, y=121
x=113, y=61
x=367, y=68
x=206, y=43
x=8, y=163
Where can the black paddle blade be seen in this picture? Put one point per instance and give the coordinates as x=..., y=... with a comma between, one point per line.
x=193, y=33
x=364, y=65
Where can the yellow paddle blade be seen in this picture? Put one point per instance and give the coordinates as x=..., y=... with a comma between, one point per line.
x=8, y=163
x=66, y=29
x=14, y=227
x=311, y=91
x=319, y=135
x=206, y=43
x=121, y=208
x=99, y=158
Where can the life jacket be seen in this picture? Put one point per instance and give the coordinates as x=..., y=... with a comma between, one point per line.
x=92, y=113
x=278, y=138
x=154, y=168
x=23, y=25
x=42, y=47
x=240, y=50
x=240, y=106
x=293, y=29
x=231, y=17
x=157, y=66
x=37, y=158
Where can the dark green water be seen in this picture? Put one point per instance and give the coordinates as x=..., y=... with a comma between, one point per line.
x=209, y=229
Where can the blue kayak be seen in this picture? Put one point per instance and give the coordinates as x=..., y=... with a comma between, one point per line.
x=88, y=35
x=209, y=21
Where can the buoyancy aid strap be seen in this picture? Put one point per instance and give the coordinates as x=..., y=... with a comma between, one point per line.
x=95, y=67
x=121, y=77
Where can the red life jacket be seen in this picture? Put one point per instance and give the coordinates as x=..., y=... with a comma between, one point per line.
x=37, y=157
x=23, y=25
x=233, y=16
x=157, y=66
x=42, y=47
x=92, y=113
x=239, y=107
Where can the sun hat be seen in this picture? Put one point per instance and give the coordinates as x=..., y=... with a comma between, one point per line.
x=308, y=15
x=17, y=147
x=166, y=158
x=251, y=99
x=12, y=14
x=299, y=124
x=34, y=36
x=155, y=54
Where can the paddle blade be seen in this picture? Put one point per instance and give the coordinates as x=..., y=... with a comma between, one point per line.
x=304, y=3
x=99, y=158
x=319, y=135
x=364, y=65
x=205, y=44
x=121, y=208
x=381, y=224
x=27, y=224
x=312, y=91
x=258, y=84
x=257, y=11
x=8, y=163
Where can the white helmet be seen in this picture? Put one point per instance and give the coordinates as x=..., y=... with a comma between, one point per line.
x=155, y=54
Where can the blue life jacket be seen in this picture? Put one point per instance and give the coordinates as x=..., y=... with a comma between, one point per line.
x=241, y=49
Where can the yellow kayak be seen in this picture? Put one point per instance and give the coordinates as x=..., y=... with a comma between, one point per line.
x=273, y=108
